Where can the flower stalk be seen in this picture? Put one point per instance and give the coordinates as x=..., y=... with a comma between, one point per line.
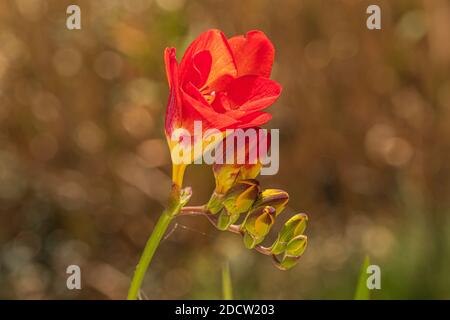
x=147, y=255
x=177, y=199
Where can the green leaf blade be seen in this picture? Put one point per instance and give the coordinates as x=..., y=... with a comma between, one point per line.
x=227, y=287
x=362, y=292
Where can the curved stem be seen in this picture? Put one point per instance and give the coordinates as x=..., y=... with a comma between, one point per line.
x=147, y=254
x=176, y=201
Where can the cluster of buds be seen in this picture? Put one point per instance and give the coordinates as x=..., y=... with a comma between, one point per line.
x=238, y=194
x=291, y=242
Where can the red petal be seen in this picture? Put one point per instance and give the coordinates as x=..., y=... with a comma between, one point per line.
x=253, y=53
x=173, y=110
x=221, y=103
x=198, y=71
x=195, y=107
x=222, y=58
x=254, y=120
x=252, y=93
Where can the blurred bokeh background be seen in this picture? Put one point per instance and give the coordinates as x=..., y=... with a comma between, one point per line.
x=364, y=123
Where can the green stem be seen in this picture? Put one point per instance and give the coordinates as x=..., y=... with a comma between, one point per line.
x=177, y=199
x=147, y=254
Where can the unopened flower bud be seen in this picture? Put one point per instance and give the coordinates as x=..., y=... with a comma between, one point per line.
x=294, y=250
x=225, y=176
x=241, y=196
x=215, y=203
x=257, y=225
x=249, y=171
x=255, y=154
x=246, y=158
x=296, y=246
x=289, y=262
x=273, y=197
x=226, y=219
x=294, y=227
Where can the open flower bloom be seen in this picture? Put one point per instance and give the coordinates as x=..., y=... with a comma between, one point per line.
x=224, y=83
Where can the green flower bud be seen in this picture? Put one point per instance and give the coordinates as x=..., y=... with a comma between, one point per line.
x=296, y=246
x=294, y=227
x=215, y=203
x=257, y=225
x=289, y=262
x=249, y=241
x=241, y=196
x=226, y=219
x=273, y=197
x=294, y=250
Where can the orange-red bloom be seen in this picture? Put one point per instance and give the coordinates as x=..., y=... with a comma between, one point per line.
x=222, y=82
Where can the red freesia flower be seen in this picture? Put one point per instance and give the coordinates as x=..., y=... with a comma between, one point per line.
x=222, y=82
